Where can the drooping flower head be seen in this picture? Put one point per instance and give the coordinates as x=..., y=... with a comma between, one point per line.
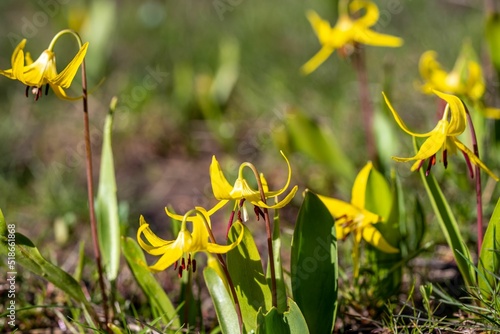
x=185, y=245
x=43, y=71
x=347, y=32
x=241, y=190
x=443, y=137
x=354, y=218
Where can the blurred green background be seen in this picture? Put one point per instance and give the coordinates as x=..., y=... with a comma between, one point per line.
x=197, y=78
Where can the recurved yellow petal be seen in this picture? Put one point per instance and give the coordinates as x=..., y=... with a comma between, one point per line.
x=400, y=122
x=458, y=117
x=321, y=27
x=220, y=186
x=371, y=13
x=474, y=159
x=431, y=145
x=67, y=75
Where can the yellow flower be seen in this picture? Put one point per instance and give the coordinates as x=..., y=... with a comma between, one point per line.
x=354, y=218
x=347, y=31
x=43, y=71
x=186, y=244
x=466, y=78
x=224, y=192
x=442, y=137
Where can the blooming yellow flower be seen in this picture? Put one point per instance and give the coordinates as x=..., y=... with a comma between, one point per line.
x=466, y=78
x=347, y=31
x=224, y=192
x=354, y=218
x=43, y=71
x=186, y=244
x=442, y=137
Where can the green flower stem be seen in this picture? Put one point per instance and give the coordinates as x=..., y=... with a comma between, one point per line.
x=269, y=237
x=224, y=268
x=477, y=171
x=344, y=7
x=90, y=187
x=367, y=113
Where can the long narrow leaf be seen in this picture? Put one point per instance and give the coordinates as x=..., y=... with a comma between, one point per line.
x=27, y=255
x=106, y=206
x=160, y=303
x=245, y=267
x=224, y=307
x=489, y=259
x=449, y=227
x=280, y=282
x=314, y=265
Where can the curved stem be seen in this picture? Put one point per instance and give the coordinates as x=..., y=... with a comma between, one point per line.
x=62, y=32
x=269, y=236
x=224, y=268
x=90, y=187
x=477, y=171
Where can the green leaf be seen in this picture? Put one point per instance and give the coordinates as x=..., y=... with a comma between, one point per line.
x=289, y=322
x=245, y=267
x=106, y=205
x=380, y=199
x=27, y=255
x=278, y=267
x=314, y=265
x=158, y=299
x=489, y=258
x=449, y=227
x=224, y=306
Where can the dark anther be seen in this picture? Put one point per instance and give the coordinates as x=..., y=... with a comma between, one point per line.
x=27, y=90
x=37, y=92
x=193, y=262
x=445, y=158
x=175, y=265
x=183, y=264
x=258, y=212
x=239, y=216
x=180, y=272
x=432, y=162
x=46, y=89
x=189, y=261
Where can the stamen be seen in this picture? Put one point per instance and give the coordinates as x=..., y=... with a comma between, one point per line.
x=469, y=165
x=445, y=158
x=421, y=164
x=175, y=265
x=189, y=261
x=37, y=92
x=258, y=212
x=239, y=216
x=180, y=272
x=193, y=262
x=183, y=264
x=46, y=89
x=27, y=90
x=432, y=162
